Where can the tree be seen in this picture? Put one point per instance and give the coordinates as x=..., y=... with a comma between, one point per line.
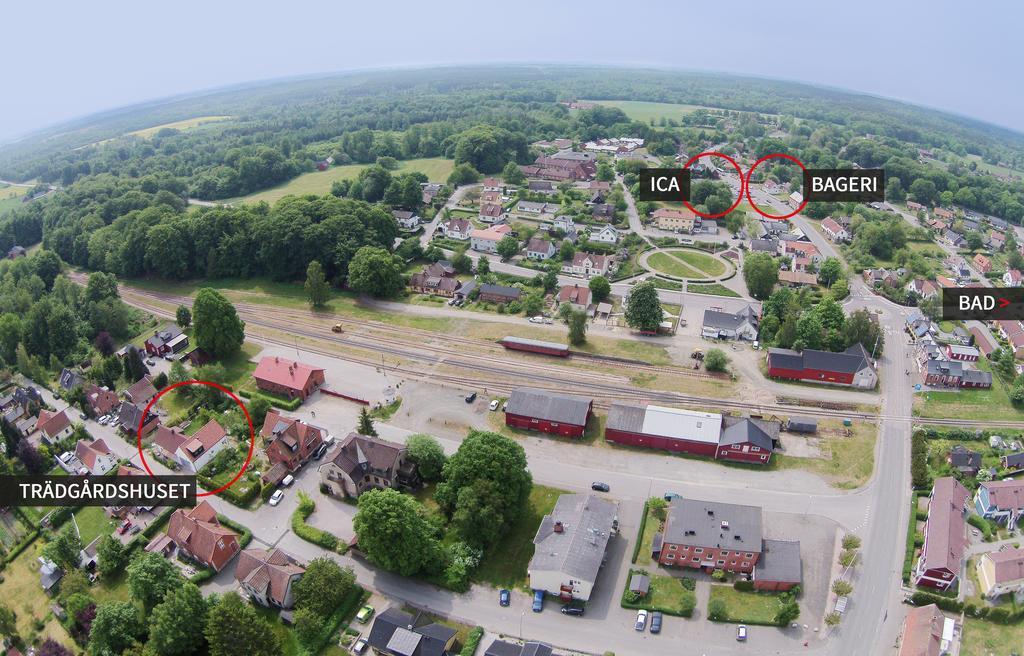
x=507, y=247
x=366, y=423
x=10, y=336
x=258, y=408
x=462, y=263
x=183, y=317
x=566, y=250
x=485, y=486
x=788, y=612
x=860, y=328
x=101, y=286
x=833, y=619
x=924, y=191
x=463, y=174
x=51, y=647
x=151, y=577
x=323, y=587
x=483, y=265
x=428, y=455
x=104, y=343
x=830, y=271
x=133, y=366
x=8, y=621
x=716, y=360
x=760, y=272
x=974, y=240
x=65, y=548
x=600, y=288
x=550, y=280
x=851, y=541
x=512, y=174
x=717, y=610
x=577, y=327
x=233, y=628
x=317, y=288
x=218, y=330
x=47, y=265
x=308, y=626
x=376, y=272
x=112, y=555
x=643, y=309
x=842, y=587
x=115, y=627
x=173, y=622
x=809, y=331
x=393, y=531
x=533, y=304
x=31, y=459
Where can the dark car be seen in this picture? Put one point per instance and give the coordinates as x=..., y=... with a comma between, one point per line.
x=320, y=452
x=656, y=622
x=504, y=598
x=573, y=609
x=471, y=397
x=600, y=487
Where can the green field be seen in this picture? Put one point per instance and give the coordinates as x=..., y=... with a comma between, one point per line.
x=644, y=111
x=437, y=169
x=504, y=564
x=712, y=289
x=186, y=124
x=711, y=266
x=672, y=266
x=991, y=403
x=93, y=522
x=10, y=196
x=684, y=263
x=981, y=638
x=749, y=607
x=21, y=592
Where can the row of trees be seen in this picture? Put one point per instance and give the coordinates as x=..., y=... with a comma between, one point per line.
x=794, y=320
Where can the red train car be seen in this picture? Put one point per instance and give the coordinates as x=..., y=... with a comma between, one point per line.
x=535, y=346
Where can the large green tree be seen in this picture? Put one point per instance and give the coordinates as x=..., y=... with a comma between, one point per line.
x=151, y=577
x=760, y=272
x=317, y=288
x=112, y=555
x=600, y=288
x=65, y=547
x=174, y=622
x=323, y=587
x=376, y=272
x=393, y=531
x=577, y=323
x=643, y=309
x=218, y=330
x=234, y=628
x=116, y=626
x=428, y=455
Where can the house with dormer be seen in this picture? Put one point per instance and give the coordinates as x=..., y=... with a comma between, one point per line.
x=360, y=463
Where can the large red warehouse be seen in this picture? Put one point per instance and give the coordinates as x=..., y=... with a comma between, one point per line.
x=851, y=367
x=558, y=414
x=702, y=433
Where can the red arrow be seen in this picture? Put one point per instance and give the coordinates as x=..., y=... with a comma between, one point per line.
x=1003, y=302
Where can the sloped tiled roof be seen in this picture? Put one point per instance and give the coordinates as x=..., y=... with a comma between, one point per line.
x=268, y=570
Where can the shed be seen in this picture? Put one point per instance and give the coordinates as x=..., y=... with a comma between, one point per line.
x=802, y=425
x=640, y=583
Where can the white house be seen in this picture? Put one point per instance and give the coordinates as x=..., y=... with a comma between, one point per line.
x=531, y=207
x=1012, y=278
x=195, y=452
x=486, y=241
x=726, y=325
x=457, y=229
x=96, y=456
x=405, y=219
x=539, y=248
x=268, y=576
x=54, y=426
x=834, y=231
x=606, y=235
x=588, y=265
x=570, y=545
x=564, y=223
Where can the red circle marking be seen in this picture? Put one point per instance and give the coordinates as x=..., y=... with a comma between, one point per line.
x=712, y=153
x=751, y=200
x=252, y=431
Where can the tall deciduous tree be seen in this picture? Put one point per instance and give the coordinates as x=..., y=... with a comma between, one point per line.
x=183, y=316
x=111, y=555
x=761, y=272
x=577, y=327
x=116, y=626
x=376, y=272
x=394, y=533
x=218, y=330
x=317, y=288
x=643, y=310
x=600, y=288
x=428, y=455
x=151, y=577
x=323, y=586
x=233, y=628
x=65, y=548
x=174, y=621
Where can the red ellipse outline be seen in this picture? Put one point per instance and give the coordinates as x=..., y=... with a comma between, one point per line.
x=739, y=198
x=750, y=200
x=252, y=430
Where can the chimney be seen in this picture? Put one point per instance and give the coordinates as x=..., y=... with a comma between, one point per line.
x=559, y=528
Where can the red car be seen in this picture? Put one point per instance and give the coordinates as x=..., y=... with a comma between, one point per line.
x=124, y=527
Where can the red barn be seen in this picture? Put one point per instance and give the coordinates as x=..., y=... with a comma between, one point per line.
x=534, y=346
x=558, y=414
x=945, y=535
x=287, y=378
x=708, y=434
x=851, y=367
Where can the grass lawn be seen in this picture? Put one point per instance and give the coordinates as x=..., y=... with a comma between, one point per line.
x=981, y=638
x=437, y=169
x=187, y=124
x=504, y=564
x=22, y=593
x=713, y=289
x=670, y=285
x=290, y=645
x=92, y=523
x=672, y=266
x=111, y=589
x=652, y=526
x=848, y=460
x=640, y=110
x=969, y=403
x=751, y=607
x=700, y=261
x=666, y=594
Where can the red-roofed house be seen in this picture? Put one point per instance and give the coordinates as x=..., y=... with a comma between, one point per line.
x=982, y=341
x=141, y=392
x=1013, y=278
x=290, y=442
x=922, y=288
x=983, y=263
x=268, y=575
x=1001, y=572
x=945, y=536
x=96, y=456
x=801, y=249
x=1013, y=333
x=101, y=400
x=834, y=231
x=287, y=378
x=576, y=296
x=198, y=535
x=925, y=632
x=55, y=426
x=195, y=452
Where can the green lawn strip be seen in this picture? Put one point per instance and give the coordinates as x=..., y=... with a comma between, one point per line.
x=981, y=638
x=670, y=285
x=709, y=266
x=92, y=523
x=667, y=594
x=747, y=607
x=849, y=461
x=665, y=263
x=991, y=403
x=712, y=289
x=651, y=525
x=504, y=564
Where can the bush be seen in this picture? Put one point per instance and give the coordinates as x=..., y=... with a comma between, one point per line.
x=472, y=642
x=921, y=598
x=689, y=584
x=716, y=360
x=743, y=586
x=717, y=611
x=718, y=575
x=640, y=533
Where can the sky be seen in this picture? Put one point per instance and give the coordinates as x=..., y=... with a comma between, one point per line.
x=64, y=60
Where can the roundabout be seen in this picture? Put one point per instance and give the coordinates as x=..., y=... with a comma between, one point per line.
x=686, y=264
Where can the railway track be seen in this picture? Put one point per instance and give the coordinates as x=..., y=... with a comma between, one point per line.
x=491, y=374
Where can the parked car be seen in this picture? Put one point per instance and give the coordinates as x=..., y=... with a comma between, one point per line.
x=471, y=397
x=494, y=405
x=573, y=608
x=276, y=497
x=672, y=496
x=538, y=601
x=103, y=420
x=600, y=487
x=82, y=416
x=741, y=633
x=364, y=614
x=124, y=527
x=359, y=646
x=337, y=328
x=287, y=480
x=151, y=362
x=641, y=620
x=504, y=406
x=320, y=452
x=656, y=622
x=66, y=457
x=536, y=319
x=504, y=597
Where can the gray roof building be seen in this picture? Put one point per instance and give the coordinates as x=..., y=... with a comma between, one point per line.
x=570, y=545
x=548, y=406
x=849, y=361
x=397, y=633
x=742, y=430
x=502, y=648
x=71, y=379
x=640, y=583
x=779, y=562
x=713, y=524
x=977, y=378
x=802, y=425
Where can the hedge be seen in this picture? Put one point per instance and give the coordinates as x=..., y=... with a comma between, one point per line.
x=29, y=538
x=472, y=642
x=277, y=401
x=982, y=524
x=243, y=531
x=744, y=586
x=922, y=598
x=640, y=534
x=355, y=598
x=204, y=574
x=908, y=559
x=309, y=533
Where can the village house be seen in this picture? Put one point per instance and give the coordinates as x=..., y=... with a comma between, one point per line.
x=101, y=400
x=606, y=235
x=964, y=460
x=880, y=277
x=397, y=633
x=795, y=200
x=602, y=212
x=570, y=546
x=130, y=417
x=54, y=426
x=1000, y=501
x=435, y=280
x=287, y=378
x=982, y=263
x=405, y=219
x=927, y=632
x=360, y=463
x=914, y=207
x=96, y=456
x=1001, y=572
x=922, y=288
x=675, y=220
x=289, y=443
x=499, y=294
x=962, y=353
x=490, y=197
x=194, y=452
x=852, y=367
x=539, y=248
x=1013, y=333
x=1012, y=461
x=491, y=213
x=588, y=265
x=494, y=185
x=945, y=214
x=198, y=535
x=542, y=187
x=577, y=297
x=141, y=392
x=458, y=229
x=741, y=325
x=486, y=241
x=166, y=340
x=528, y=648
x=547, y=412
x=268, y=576
x=532, y=207
x=996, y=241
x=945, y=536
x=834, y=231
x=1013, y=278
x=70, y=379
